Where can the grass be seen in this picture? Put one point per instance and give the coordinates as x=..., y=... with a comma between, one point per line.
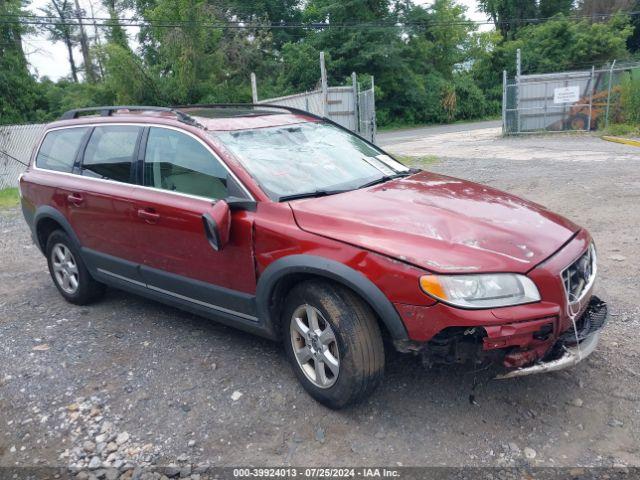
x=622, y=130
x=419, y=161
x=9, y=197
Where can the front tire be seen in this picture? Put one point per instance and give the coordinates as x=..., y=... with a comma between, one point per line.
x=333, y=342
x=68, y=271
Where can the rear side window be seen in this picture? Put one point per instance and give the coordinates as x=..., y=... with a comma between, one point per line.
x=177, y=162
x=59, y=149
x=109, y=153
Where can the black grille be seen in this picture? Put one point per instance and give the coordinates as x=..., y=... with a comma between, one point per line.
x=579, y=276
x=592, y=320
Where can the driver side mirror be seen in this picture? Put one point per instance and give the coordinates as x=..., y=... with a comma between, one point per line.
x=217, y=225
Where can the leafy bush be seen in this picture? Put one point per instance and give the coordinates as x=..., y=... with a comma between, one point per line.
x=630, y=98
x=471, y=101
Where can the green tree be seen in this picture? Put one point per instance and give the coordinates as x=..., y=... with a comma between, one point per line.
x=509, y=15
x=441, y=41
x=561, y=44
x=127, y=80
x=61, y=28
x=268, y=13
x=550, y=8
x=19, y=93
x=188, y=57
x=115, y=32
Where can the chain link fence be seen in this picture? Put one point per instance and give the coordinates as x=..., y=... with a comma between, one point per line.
x=16, y=145
x=564, y=101
x=367, y=126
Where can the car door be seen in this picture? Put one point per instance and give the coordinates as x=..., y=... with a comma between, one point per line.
x=101, y=207
x=183, y=179
x=58, y=153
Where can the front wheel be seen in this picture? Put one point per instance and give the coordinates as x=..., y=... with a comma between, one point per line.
x=333, y=342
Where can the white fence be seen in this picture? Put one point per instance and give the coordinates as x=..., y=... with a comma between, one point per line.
x=16, y=144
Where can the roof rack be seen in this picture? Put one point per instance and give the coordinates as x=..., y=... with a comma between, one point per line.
x=110, y=110
x=181, y=116
x=262, y=105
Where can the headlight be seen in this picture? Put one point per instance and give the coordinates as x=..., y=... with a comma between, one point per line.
x=481, y=291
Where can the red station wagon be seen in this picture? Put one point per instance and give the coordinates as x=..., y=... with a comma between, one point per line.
x=289, y=226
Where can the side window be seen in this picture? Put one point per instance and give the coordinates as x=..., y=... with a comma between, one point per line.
x=59, y=149
x=110, y=151
x=175, y=161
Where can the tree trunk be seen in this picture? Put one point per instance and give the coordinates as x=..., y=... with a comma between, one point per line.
x=72, y=62
x=89, y=73
x=97, y=41
x=67, y=38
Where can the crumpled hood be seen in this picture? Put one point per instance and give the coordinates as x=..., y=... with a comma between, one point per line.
x=439, y=223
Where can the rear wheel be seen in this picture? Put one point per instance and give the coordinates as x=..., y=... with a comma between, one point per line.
x=333, y=342
x=69, y=274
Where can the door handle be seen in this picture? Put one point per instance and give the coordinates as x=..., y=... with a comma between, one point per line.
x=75, y=199
x=149, y=215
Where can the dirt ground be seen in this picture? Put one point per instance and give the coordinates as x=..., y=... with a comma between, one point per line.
x=132, y=381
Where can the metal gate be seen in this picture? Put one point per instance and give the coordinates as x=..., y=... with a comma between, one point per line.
x=350, y=105
x=560, y=102
x=367, y=112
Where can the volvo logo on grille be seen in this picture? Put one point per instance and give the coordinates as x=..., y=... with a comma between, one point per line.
x=584, y=266
x=578, y=276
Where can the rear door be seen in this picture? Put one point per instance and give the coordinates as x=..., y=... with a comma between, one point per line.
x=183, y=178
x=102, y=209
x=57, y=154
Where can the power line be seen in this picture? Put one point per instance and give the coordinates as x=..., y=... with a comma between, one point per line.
x=44, y=20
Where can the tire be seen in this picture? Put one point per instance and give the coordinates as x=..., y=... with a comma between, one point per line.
x=68, y=271
x=579, y=122
x=356, y=344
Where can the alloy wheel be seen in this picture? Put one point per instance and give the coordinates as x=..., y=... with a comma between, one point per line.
x=315, y=346
x=65, y=268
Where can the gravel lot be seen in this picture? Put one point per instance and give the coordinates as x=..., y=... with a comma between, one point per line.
x=129, y=381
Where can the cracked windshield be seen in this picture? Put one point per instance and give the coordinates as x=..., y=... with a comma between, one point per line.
x=309, y=159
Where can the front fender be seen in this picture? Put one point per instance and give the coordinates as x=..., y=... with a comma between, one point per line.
x=332, y=270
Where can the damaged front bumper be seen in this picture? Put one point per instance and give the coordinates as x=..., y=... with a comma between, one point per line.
x=573, y=346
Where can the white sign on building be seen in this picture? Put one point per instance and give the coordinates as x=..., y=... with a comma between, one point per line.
x=566, y=94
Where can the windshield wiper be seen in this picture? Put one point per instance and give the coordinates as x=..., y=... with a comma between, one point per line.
x=324, y=193
x=315, y=193
x=384, y=178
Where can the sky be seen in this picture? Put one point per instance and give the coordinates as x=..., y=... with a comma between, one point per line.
x=50, y=59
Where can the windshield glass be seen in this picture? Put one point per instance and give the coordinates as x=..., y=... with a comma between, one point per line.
x=308, y=159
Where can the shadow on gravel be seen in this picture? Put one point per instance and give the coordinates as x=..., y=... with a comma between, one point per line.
x=406, y=383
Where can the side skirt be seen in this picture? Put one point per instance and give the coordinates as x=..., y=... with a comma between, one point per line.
x=231, y=308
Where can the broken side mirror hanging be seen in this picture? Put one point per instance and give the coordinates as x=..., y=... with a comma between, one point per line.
x=217, y=225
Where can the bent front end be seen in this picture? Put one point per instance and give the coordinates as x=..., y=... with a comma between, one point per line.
x=556, y=332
